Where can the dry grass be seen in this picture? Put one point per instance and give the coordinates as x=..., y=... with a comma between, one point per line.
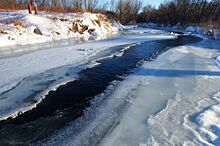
x=102, y=19
x=211, y=24
x=98, y=22
x=79, y=27
x=2, y=31
x=17, y=23
x=12, y=7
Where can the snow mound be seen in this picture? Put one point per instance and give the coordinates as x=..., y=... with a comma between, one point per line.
x=45, y=25
x=209, y=121
x=217, y=60
x=20, y=28
x=130, y=26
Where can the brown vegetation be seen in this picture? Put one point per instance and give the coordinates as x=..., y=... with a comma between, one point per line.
x=172, y=12
x=127, y=10
x=79, y=27
x=52, y=5
x=184, y=12
x=17, y=23
x=2, y=31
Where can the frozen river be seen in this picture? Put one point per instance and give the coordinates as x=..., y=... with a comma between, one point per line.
x=109, y=92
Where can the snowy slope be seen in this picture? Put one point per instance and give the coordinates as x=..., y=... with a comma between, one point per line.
x=20, y=28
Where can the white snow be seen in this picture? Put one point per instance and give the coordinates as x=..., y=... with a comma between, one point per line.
x=193, y=29
x=144, y=31
x=204, y=32
x=184, y=78
x=210, y=119
x=217, y=60
x=130, y=26
x=19, y=28
x=169, y=126
x=209, y=122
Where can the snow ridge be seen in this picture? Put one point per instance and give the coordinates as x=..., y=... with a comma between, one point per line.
x=21, y=28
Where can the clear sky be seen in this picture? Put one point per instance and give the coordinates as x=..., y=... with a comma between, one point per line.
x=153, y=2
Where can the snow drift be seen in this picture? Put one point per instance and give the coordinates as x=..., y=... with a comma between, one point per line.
x=20, y=28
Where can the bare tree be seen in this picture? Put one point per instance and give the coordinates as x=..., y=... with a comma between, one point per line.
x=77, y=4
x=90, y=5
x=127, y=10
x=55, y=3
x=185, y=12
x=112, y=6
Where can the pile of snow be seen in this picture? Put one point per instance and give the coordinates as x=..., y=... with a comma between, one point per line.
x=20, y=28
x=217, y=60
x=216, y=34
x=144, y=31
x=212, y=33
x=130, y=26
x=209, y=121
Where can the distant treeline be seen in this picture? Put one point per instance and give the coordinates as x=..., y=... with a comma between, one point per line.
x=52, y=5
x=172, y=12
x=183, y=12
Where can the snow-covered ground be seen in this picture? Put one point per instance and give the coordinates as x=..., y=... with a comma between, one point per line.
x=20, y=28
x=187, y=79
x=19, y=73
x=173, y=100
x=203, y=32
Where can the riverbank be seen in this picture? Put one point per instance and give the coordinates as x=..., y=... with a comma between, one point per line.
x=21, y=28
x=176, y=101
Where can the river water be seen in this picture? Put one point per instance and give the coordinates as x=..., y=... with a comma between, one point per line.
x=69, y=101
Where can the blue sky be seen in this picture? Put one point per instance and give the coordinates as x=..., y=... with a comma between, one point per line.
x=153, y=2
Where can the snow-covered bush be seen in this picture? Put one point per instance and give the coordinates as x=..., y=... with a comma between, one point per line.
x=29, y=29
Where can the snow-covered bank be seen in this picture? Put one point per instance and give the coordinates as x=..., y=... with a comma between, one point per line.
x=217, y=60
x=203, y=32
x=20, y=28
x=17, y=72
x=165, y=103
x=211, y=33
x=209, y=122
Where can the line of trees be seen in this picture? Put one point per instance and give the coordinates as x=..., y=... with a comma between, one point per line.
x=124, y=10
x=54, y=5
x=183, y=12
x=171, y=12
